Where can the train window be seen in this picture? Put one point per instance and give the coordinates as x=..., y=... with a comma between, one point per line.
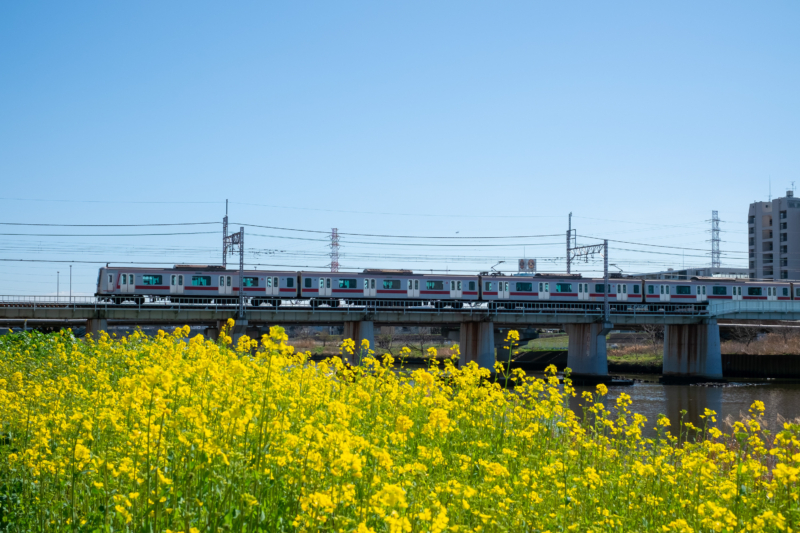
x=111, y=278
x=322, y=283
x=704, y=289
x=487, y=285
x=524, y=287
x=662, y=289
x=719, y=291
x=471, y=286
x=580, y=287
x=173, y=279
x=541, y=287
x=348, y=283
x=201, y=281
x=269, y=282
x=373, y=283
x=366, y=283
x=599, y=288
x=229, y=280
x=410, y=285
x=683, y=289
x=797, y=292
x=151, y=279
x=250, y=282
x=124, y=279
x=563, y=287
x=289, y=283
x=785, y=291
x=458, y=285
x=546, y=287
x=434, y=285
x=222, y=281
x=754, y=291
x=651, y=289
x=307, y=283
x=328, y=283
x=391, y=284
x=667, y=289
x=416, y=284
x=624, y=289
x=180, y=281
x=635, y=289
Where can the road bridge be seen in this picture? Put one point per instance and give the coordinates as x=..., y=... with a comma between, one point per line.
x=691, y=339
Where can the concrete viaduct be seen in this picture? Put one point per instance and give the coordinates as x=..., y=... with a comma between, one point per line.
x=691, y=337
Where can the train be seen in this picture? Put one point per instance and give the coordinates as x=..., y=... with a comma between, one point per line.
x=216, y=284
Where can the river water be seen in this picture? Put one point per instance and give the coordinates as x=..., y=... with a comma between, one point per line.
x=651, y=398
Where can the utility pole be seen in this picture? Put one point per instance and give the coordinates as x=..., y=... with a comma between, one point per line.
x=334, y=250
x=569, y=237
x=225, y=237
x=606, y=310
x=715, y=255
x=231, y=244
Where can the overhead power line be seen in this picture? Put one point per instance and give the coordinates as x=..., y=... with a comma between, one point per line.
x=107, y=225
x=105, y=234
x=661, y=245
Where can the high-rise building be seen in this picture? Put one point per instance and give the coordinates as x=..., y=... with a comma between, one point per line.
x=774, y=238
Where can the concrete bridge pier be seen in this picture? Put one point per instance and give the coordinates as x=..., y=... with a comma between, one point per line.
x=692, y=353
x=476, y=343
x=95, y=326
x=586, y=353
x=358, y=331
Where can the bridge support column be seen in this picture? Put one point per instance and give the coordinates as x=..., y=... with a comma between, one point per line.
x=211, y=334
x=692, y=352
x=95, y=325
x=477, y=344
x=586, y=353
x=358, y=331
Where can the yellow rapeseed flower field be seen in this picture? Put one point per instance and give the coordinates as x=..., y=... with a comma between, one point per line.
x=174, y=434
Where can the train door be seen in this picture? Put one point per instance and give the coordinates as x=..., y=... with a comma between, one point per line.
x=737, y=293
x=772, y=293
x=503, y=291
x=176, y=284
x=225, y=285
x=110, y=282
x=544, y=291
x=455, y=289
x=276, y=286
x=268, y=286
x=583, y=291
x=325, y=288
x=701, y=293
x=664, y=293
x=413, y=288
x=370, y=288
x=127, y=283
x=622, y=292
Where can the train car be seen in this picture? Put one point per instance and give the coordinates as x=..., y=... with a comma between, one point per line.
x=193, y=283
x=702, y=289
x=517, y=291
x=388, y=287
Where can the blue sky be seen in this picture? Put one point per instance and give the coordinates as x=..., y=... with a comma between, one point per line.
x=413, y=118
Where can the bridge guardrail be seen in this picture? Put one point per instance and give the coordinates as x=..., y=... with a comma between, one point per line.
x=370, y=306
x=728, y=307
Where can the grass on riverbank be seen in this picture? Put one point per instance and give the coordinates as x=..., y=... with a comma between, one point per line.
x=170, y=434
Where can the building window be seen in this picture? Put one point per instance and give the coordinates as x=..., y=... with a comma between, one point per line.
x=783, y=214
x=751, y=219
x=752, y=241
x=752, y=265
x=784, y=237
x=768, y=271
x=767, y=246
x=751, y=231
x=784, y=275
x=752, y=276
x=784, y=249
x=766, y=234
x=151, y=279
x=767, y=258
x=784, y=225
x=784, y=261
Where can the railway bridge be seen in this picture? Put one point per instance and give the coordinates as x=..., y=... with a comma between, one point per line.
x=691, y=337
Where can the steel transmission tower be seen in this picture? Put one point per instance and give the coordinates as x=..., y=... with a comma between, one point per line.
x=334, y=250
x=715, y=262
x=225, y=237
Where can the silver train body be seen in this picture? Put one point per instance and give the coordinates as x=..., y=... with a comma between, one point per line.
x=212, y=284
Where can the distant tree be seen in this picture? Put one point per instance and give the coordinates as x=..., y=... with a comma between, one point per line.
x=654, y=334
